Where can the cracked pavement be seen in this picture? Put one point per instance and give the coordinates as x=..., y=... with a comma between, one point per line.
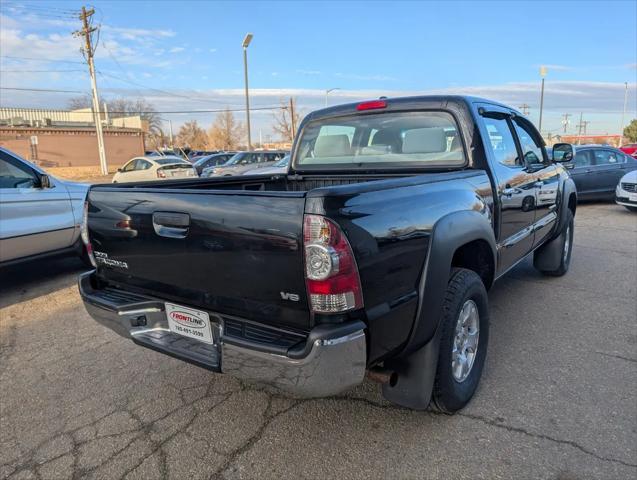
x=557, y=398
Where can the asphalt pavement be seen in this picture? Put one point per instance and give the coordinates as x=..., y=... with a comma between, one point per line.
x=557, y=398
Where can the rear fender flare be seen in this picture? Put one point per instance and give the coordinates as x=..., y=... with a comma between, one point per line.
x=449, y=234
x=416, y=365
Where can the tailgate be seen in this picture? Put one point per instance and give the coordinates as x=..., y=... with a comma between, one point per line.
x=235, y=253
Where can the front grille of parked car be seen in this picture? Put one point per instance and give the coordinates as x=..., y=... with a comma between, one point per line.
x=629, y=187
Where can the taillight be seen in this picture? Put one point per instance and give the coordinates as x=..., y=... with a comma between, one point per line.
x=161, y=174
x=84, y=235
x=331, y=274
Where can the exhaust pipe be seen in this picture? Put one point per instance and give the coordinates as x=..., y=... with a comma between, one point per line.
x=382, y=376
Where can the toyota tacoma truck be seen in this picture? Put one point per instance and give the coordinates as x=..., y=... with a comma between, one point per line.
x=371, y=256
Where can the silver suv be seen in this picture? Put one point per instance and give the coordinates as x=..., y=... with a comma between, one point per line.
x=40, y=215
x=244, y=161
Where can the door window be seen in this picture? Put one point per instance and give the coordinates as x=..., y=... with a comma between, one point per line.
x=606, y=157
x=583, y=158
x=143, y=165
x=501, y=141
x=130, y=166
x=531, y=150
x=15, y=175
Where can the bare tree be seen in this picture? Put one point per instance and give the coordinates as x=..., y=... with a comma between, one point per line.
x=283, y=121
x=193, y=136
x=226, y=132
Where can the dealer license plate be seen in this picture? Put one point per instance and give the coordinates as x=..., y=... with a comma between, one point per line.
x=189, y=322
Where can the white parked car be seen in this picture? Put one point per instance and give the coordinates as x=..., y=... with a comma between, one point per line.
x=154, y=168
x=626, y=191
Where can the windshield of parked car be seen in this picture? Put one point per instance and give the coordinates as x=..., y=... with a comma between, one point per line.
x=236, y=158
x=203, y=160
x=284, y=162
x=168, y=160
x=381, y=140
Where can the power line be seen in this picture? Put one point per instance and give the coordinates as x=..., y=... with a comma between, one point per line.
x=41, y=90
x=40, y=71
x=14, y=57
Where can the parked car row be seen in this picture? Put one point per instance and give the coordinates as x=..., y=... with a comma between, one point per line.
x=155, y=167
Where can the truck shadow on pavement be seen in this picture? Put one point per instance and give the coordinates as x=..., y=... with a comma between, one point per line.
x=29, y=280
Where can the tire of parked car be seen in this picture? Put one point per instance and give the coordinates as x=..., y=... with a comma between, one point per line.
x=554, y=258
x=464, y=338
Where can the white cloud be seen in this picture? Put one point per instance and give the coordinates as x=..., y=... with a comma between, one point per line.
x=137, y=34
x=309, y=72
x=176, y=49
x=374, y=77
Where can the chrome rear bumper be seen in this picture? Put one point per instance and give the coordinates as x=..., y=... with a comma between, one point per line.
x=332, y=359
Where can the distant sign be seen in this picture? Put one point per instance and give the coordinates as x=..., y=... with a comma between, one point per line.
x=34, y=139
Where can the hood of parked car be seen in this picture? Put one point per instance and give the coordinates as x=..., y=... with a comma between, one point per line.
x=630, y=177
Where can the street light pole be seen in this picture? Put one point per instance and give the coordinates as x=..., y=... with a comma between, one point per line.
x=327, y=92
x=246, y=43
x=621, y=127
x=542, y=74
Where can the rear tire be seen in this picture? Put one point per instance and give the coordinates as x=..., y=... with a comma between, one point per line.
x=463, y=343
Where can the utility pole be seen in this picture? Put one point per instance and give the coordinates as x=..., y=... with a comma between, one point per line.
x=292, y=126
x=542, y=74
x=621, y=127
x=89, y=51
x=579, y=129
x=170, y=127
x=565, y=120
x=245, y=45
x=525, y=109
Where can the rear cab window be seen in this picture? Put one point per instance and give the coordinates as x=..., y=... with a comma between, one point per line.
x=381, y=141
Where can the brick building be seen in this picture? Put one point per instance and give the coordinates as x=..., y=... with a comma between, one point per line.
x=60, y=138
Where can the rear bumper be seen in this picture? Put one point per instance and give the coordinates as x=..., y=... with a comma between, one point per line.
x=331, y=359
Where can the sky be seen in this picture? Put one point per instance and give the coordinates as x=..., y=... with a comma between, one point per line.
x=187, y=56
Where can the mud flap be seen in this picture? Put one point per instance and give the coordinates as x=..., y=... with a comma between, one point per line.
x=548, y=257
x=416, y=376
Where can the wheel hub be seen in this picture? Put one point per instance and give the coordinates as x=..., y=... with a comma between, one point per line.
x=465, y=344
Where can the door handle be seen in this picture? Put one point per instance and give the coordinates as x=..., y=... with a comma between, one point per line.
x=171, y=224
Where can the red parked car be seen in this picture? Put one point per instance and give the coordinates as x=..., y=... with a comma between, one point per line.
x=630, y=149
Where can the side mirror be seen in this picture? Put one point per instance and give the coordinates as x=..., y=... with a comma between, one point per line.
x=563, y=152
x=120, y=170
x=45, y=181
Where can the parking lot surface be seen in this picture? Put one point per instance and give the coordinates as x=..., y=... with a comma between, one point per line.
x=557, y=398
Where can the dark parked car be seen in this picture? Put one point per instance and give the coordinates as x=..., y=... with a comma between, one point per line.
x=596, y=170
x=374, y=254
x=213, y=160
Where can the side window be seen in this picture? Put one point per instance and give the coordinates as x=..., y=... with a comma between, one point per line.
x=143, y=165
x=531, y=151
x=130, y=166
x=583, y=158
x=606, y=157
x=15, y=175
x=501, y=141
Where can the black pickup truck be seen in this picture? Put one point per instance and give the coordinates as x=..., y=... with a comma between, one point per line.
x=372, y=255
